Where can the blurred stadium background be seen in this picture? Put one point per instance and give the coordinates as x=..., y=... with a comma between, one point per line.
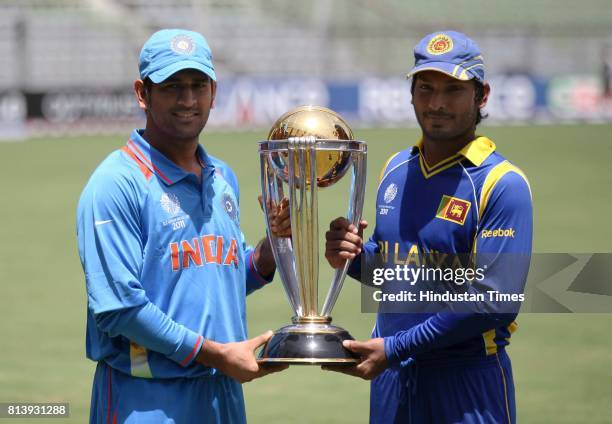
x=65, y=94
x=69, y=64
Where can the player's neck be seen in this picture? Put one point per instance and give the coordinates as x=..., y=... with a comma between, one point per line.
x=435, y=151
x=183, y=153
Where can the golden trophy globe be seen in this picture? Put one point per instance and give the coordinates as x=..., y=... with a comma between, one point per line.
x=309, y=148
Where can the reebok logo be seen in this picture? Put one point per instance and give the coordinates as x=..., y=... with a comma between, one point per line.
x=500, y=232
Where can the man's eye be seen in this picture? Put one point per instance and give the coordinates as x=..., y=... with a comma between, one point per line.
x=170, y=86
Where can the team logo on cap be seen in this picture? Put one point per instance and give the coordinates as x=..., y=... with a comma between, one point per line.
x=440, y=44
x=182, y=44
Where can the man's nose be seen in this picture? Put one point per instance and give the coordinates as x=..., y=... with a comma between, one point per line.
x=187, y=97
x=437, y=101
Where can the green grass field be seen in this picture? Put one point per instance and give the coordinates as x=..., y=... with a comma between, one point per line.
x=561, y=362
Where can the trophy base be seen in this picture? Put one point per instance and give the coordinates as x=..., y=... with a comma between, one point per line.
x=309, y=341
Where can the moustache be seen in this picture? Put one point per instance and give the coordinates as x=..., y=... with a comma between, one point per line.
x=438, y=115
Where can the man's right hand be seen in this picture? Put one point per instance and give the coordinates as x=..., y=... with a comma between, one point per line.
x=237, y=359
x=343, y=241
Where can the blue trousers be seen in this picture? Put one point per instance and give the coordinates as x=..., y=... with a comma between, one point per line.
x=470, y=391
x=120, y=398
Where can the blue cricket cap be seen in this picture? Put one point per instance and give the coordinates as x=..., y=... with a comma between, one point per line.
x=451, y=53
x=171, y=50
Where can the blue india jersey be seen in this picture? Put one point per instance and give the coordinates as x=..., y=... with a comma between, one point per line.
x=165, y=262
x=476, y=204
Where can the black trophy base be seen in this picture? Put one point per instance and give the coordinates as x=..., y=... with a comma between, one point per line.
x=308, y=343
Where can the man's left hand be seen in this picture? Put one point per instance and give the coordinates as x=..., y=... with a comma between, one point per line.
x=278, y=217
x=280, y=226
x=373, y=359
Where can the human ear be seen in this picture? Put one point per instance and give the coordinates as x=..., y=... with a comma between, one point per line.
x=140, y=91
x=213, y=87
x=486, y=90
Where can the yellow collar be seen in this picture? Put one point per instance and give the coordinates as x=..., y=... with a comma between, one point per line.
x=476, y=151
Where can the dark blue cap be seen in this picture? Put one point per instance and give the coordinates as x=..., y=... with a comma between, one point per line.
x=451, y=53
x=171, y=50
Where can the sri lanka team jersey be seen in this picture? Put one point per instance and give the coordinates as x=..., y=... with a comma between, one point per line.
x=165, y=262
x=473, y=202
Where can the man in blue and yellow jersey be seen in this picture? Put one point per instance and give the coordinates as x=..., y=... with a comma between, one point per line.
x=166, y=265
x=452, y=195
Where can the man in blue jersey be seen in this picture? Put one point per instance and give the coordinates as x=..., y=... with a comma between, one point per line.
x=166, y=265
x=450, y=197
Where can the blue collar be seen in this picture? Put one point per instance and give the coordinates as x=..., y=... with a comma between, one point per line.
x=160, y=165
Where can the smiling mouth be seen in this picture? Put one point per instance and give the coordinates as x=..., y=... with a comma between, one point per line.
x=185, y=115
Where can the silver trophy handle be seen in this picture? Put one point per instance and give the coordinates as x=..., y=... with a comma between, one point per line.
x=355, y=211
x=272, y=191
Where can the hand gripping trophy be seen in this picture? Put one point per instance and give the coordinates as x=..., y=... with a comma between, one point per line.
x=308, y=148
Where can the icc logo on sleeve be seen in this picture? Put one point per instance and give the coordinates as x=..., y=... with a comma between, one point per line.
x=390, y=193
x=388, y=197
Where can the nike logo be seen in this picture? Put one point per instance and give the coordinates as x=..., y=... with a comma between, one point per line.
x=103, y=222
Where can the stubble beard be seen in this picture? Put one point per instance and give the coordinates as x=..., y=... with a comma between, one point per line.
x=178, y=132
x=461, y=131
